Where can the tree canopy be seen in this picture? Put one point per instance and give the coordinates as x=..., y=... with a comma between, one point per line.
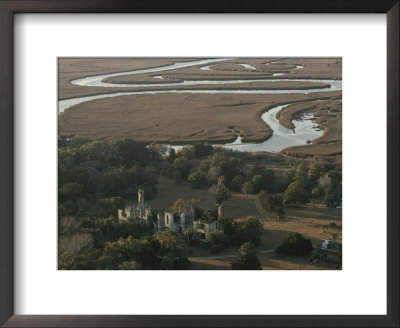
x=247, y=259
x=295, y=244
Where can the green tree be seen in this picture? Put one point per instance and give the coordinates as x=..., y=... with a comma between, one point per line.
x=249, y=229
x=171, y=251
x=197, y=209
x=247, y=188
x=333, y=195
x=127, y=250
x=228, y=227
x=247, y=259
x=82, y=206
x=300, y=172
x=171, y=155
x=182, y=165
x=316, y=193
x=71, y=191
x=177, y=205
x=294, y=244
x=216, y=241
x=297, y=193
x=69, y=207
x=68, y=225
x=314, y=172
x=237, y=182
x=108, y=227
x=259, y=182
x=280, y=213
x=201, y=150
x=130, y=265
x=75, y=243
x=196, y=179
x=339, y=259
x=262, y=202
x=265, y=202
x=87, y=260
x=222, y=192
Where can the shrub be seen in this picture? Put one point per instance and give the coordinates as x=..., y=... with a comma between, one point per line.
x=247, y=259
x=249, y=230
x=217, y=248
x=216, y=240
x=332, y=225
x=294, y=244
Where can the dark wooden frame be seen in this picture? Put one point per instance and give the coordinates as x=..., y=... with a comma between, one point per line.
x=7, y=10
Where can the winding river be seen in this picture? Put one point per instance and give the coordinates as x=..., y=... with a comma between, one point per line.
x=282, y=137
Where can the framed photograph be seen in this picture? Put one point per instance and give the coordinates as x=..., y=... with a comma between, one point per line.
x=162, y=163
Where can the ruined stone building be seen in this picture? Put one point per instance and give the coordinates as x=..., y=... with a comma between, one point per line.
x=185, y=221
x=178, y=223
x=137, y=211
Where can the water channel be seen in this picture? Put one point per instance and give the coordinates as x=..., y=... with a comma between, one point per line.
x=305, y=128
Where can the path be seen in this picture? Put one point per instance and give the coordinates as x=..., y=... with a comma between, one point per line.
x=217, y=257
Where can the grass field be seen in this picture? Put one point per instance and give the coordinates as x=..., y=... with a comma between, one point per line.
x=177, y=118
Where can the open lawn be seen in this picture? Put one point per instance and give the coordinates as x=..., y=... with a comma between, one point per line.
x=238, y=206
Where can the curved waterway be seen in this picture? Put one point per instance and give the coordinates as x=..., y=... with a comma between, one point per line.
x=305, y=130
x=282, y=137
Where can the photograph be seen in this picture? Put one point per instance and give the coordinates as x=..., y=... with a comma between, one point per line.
x=199, y=163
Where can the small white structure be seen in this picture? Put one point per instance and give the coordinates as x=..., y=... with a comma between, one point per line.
x=178, y=223
x=330, y=249
x=135, y=211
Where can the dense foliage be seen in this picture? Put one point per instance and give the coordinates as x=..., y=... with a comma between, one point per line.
x=104, y=244
x=94, y=177
x=98, y=177
x=294, y=244
x=247, y=259
x=240, y=231
x=314, y=183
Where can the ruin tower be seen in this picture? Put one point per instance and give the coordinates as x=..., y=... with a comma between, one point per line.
x=220, y=213
x=141, y=205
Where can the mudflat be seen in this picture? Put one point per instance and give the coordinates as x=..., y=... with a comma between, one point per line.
x=176, y=118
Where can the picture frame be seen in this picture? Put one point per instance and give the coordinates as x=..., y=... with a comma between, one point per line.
x=7, y=10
